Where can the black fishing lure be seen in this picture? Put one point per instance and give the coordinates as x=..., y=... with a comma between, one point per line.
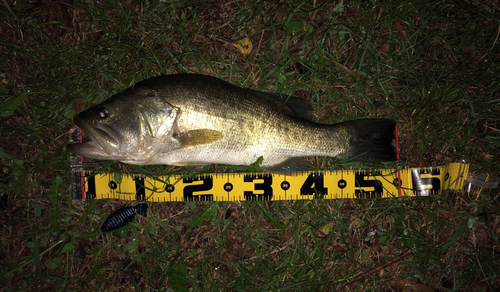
x=123, y=216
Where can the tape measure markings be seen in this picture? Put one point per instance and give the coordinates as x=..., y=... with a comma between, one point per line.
x=336, y=184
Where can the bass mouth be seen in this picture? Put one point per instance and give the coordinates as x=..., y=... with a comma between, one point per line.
x=101, y=137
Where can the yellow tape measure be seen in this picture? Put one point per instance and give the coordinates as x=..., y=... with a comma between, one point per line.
x=335, y=184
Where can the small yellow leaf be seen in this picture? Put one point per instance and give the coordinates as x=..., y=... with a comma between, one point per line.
x=327, y=228
x=245, y=46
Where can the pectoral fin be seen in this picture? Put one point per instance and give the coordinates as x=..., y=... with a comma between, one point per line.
x=197, y=137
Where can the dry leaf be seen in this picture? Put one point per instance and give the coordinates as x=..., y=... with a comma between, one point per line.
x=327, y=228
x=407, y=285
x=245, y=46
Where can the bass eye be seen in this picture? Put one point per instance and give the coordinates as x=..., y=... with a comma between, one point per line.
x=102, y=112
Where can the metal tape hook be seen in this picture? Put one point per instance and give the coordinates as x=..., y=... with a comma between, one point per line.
x=477, y=182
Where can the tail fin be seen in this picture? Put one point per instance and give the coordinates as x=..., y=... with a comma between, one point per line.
x=372, y=140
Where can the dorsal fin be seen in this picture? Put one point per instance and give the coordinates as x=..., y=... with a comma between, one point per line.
x=297, y=106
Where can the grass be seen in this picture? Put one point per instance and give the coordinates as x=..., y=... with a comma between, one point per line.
x=432, y=66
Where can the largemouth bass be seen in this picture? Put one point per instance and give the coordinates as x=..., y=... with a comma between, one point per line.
x=191, y=119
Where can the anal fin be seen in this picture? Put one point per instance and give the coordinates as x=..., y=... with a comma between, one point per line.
x=289, y=165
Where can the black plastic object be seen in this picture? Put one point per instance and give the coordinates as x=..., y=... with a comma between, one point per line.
x=123, y=216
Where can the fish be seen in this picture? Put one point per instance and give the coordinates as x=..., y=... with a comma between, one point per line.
x=193, y=119
x=123, y=216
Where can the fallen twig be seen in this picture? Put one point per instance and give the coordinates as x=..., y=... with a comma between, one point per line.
x=376, y=269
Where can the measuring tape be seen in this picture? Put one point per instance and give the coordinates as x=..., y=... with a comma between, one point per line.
x=334, y=184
